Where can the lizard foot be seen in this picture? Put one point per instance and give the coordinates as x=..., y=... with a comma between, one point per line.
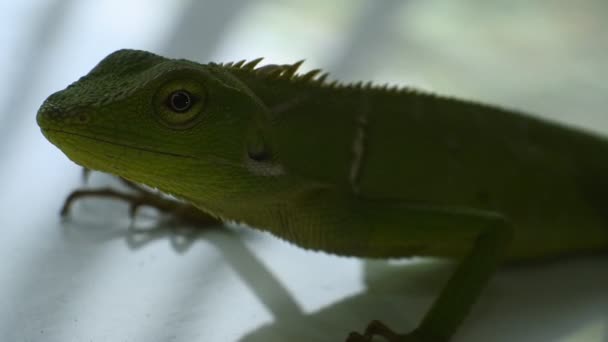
x=141, y=196
x=377, y=328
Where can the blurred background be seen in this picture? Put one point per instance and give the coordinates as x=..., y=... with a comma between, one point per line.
x=98, y=276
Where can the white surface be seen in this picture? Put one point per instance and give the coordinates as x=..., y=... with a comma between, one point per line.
x=93, y=279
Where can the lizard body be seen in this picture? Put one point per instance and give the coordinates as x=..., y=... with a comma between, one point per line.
x=356, y=170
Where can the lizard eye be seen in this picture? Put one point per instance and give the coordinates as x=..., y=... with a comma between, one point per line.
x=180, y=101
x=180, y=104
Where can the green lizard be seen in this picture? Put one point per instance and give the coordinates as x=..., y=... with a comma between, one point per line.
x=354, y=170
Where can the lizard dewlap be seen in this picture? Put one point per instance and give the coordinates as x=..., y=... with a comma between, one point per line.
x=349, y=169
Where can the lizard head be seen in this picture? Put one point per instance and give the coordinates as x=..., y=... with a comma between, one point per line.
x=156, y=120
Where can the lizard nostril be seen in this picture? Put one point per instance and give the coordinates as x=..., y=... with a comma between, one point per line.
x=47, y=114
x=83, y=118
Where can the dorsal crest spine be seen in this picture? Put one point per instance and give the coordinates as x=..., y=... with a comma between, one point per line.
x=315, y=77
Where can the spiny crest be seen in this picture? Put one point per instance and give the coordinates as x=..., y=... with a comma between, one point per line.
x=278, y=71
x=315, y=76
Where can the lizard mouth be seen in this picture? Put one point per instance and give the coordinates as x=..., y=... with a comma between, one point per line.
x=52, y=133
x=49, y=114
x=55, y=135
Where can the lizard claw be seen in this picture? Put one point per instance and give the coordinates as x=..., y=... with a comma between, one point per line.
x=356, y=337
x=142, y=196
x=377, y=328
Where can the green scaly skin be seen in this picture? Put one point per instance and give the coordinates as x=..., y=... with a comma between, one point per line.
x=355, y=170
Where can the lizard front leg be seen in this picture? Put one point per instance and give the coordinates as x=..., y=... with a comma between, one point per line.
x=139, y=197
x=465, y=285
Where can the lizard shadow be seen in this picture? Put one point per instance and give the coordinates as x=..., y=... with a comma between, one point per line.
x=541, y=302
x=537, y=303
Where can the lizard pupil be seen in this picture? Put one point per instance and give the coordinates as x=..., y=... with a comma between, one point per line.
x=180, y=101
